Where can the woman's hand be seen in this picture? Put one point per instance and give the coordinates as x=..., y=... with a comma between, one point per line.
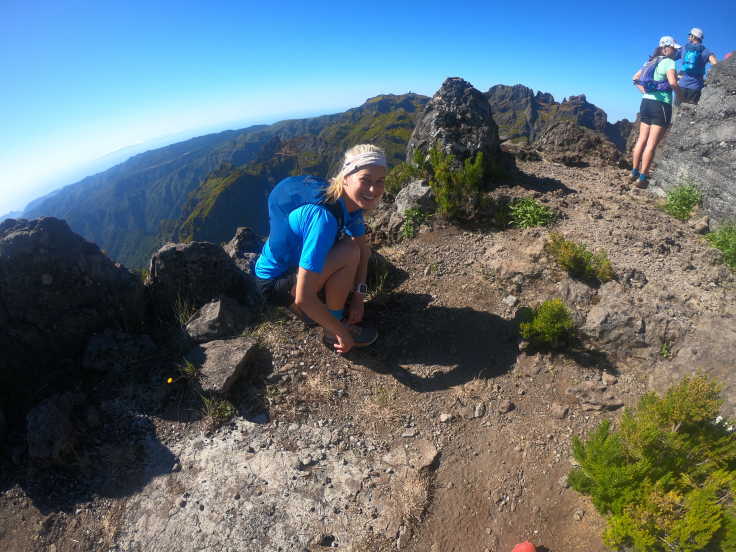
x=344, y=343
x=356, y=310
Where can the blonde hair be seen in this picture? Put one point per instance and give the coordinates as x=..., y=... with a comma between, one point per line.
x=337, y=184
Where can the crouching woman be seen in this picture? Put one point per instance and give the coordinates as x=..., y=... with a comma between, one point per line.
x=306, y=253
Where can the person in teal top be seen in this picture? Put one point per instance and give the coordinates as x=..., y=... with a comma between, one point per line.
x=656, y=109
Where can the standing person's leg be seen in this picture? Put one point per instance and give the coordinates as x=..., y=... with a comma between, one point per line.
x=655, y=137
x=641, y=144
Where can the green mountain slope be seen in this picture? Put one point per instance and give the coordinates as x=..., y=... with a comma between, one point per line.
x=194, y=190
x=230, y=196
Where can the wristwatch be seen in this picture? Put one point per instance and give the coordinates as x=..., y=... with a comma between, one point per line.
x=361, y=288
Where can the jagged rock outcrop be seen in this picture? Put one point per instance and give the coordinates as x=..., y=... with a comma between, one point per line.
x=244, y=249
x=701, y=145
x=193, y=274
x=56, y=291
x=571, y=144
x=458, y=118
x=523, y=116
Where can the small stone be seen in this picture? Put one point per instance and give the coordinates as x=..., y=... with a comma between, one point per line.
x=505, y=406
x=444, y=418
x=608, y=379
x=562, y=482
x=578, y=515
x=405, y=534
x=176, y=468
x=480, y=410
x=558, y=410
x=510, y=301
x=410, y=432
x=535, y=510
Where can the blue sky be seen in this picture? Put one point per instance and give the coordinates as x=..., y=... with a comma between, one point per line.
x=81, y=78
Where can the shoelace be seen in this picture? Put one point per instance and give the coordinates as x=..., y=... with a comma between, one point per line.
x=352, y=328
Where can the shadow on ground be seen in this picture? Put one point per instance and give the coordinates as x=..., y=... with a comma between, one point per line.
x=430, y=348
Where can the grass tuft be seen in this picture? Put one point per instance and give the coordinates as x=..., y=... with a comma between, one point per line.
x=577, y=260
x=527, y=213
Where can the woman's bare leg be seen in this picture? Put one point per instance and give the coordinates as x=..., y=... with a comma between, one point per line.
x=338, y=273
x=655, y=137
x=641, y=144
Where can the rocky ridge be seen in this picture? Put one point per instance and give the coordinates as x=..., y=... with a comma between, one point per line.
x=701, y=146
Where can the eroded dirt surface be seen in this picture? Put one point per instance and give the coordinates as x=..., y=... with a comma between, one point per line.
x=447, y=369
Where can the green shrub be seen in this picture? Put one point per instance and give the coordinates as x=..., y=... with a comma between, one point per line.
x=527, y=213
x=220, y=410
x=551, y=320
x=452, y=188
x=413, y=219
x=725, y=239
x=666, y=479
x=681, y=200
x=577, y=260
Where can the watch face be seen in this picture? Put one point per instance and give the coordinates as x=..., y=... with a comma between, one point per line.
x=362, y=289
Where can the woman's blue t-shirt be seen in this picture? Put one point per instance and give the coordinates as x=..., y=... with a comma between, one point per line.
x=317, y=228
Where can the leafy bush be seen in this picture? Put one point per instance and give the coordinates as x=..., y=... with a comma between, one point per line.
x=681, y=200
x=414, y=218
x=551, y=320
x=666, y=478
x=527, y=213
x=576, y=260
x=452, y=188
x=725, y=239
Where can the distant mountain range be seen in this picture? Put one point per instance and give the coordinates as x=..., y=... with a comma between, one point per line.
x=204, y=188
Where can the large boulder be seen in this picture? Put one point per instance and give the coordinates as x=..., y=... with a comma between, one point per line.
x=56, y=291
x=701, y=145
x=458, y=118
x=223, y=316
x=220, y=363
x=571, y=144
x=709, y=348
x=191, y=274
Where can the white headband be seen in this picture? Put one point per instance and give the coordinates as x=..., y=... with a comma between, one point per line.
x=363, y=159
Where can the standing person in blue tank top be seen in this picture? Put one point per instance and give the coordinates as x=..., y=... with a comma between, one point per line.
x=694, y=58
x=320, y=261
x=656, y=108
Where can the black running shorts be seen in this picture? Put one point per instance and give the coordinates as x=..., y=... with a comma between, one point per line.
x=655, y=113
x=277, y=291
x=690, y=94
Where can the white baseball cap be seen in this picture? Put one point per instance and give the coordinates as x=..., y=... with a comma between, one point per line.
x=668, y=41
x=697, y=33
